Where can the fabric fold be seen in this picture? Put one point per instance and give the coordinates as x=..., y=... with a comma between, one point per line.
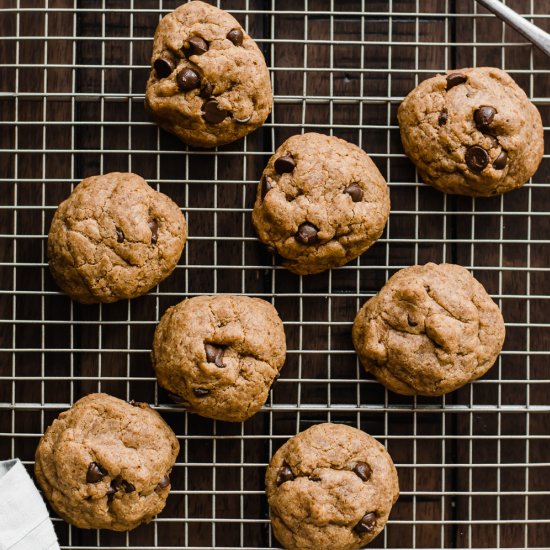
x=24, y=520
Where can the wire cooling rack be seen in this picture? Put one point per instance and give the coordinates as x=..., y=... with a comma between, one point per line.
x=474, y=465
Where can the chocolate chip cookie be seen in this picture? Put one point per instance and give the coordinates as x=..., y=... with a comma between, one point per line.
x=430, y=330
x=472, y=132
x=105, y=463
x=219, y=355
x=330, y=486
x=321, y=203
x=114, y=238
x=209, y=83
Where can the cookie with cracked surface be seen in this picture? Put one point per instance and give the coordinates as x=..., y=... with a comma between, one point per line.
x=114, y=238
x=209, y=84
x=330, y=486
x=472, y=132
x=430, y=330
x=321, y=203
x=105, y=463
x=219, y=355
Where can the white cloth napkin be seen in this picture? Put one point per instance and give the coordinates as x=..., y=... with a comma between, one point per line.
x=24, y=520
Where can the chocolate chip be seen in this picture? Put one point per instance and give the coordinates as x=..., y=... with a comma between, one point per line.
x=501, y=161
x=271, y=250
x=164, y=66
x=236, y=36
x=187, y=80
x=95, y=473
x=266, y=186
x=290, y=196
x=442, y=120
x=200, y=392
x=454, y=79
x=135, y=403
x=411, y=321
x=206, y=90
x=197, y=46
x=164, y=482
x=119, y=235
x=244, y=120
x=367, y=523
x=362, y=469
x=212, y=114
x=284, y=165
x=477, y=158
x=307, y=234
x=111, y=490
x=284, y=474
x=214, y=354
x=127, y=486
x=355, y=192
x=484, y=116
x=154, y=227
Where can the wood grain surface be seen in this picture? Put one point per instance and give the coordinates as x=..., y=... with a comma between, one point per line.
x=474, y=466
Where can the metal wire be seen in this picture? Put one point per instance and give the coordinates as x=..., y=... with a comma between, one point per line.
x=472, y=465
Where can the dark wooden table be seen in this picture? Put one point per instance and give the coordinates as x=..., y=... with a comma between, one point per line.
x=474, y=466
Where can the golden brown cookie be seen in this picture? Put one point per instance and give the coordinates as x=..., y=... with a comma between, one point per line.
x=113, y=238
x=219, y=355
x=472, y=132
x=209, y=83
x=430, y=330
x=330, y=486
x=105, y=463
x=321, y=203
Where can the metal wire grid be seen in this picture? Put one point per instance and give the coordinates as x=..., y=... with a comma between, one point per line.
x=341, y=68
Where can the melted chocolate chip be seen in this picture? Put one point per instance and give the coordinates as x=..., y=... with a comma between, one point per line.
x=244, y=120
x=484, y=116
x=411, y=321
x=271, y=250
x=154, y=227
x=111, y=490
x=442, y=120
x=206, y=90
x=307, y=234
x=355, y=192
x=212, y=114
x=236, y=36
x=119, y=235
x=500, y=161
x=266, y=186
x=95, y=473
x=284, y=165
x=454, y=79
x=214, y=354
x=284, y=474
x=127, y=486
x=477, y=158
x=135, y=403
x=164, y=482
x=367, y=523
x=200, y=392
x=197, y=46
x=362, y=469
x=164, y=66
x=188, y=80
